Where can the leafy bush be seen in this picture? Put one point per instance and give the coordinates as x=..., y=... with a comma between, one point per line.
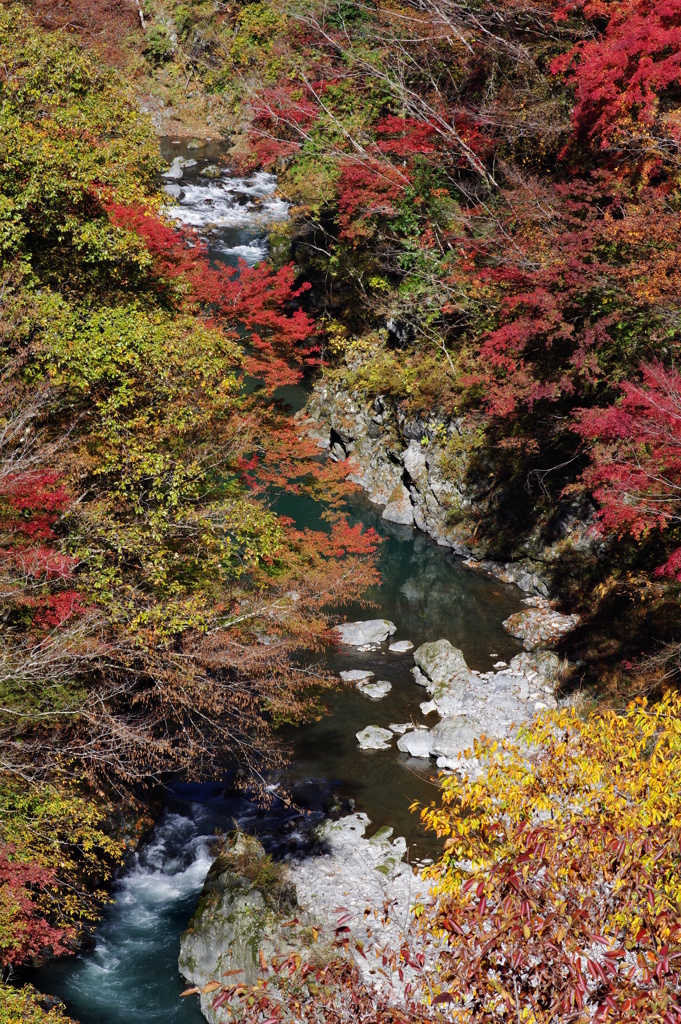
x=559, y=893
x=158, y=46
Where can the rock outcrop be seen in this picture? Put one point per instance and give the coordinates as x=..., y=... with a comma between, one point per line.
x=418, y=472
x=245, y=901
x=253, y=911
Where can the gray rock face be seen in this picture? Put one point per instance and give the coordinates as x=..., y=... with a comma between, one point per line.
x=414, y=458
x=372, y=631
x=374, y=738
x=399, y=508
x=375, y=691
x=388, y=452
x=418, y=743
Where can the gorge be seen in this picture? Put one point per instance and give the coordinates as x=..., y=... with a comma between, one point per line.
x=263, y=722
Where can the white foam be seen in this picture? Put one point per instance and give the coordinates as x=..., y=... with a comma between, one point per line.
x=252, y=254
x=230, y=203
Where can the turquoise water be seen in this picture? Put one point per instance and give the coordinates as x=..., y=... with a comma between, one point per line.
x=131, y=975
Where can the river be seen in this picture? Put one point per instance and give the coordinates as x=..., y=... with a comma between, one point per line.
x=130, y=976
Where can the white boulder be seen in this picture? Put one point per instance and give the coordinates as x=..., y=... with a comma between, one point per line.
x=374, y=738
x=371, y=631
x=356, y=675
x=401, y=647
x=375, y=691
x=417, y=744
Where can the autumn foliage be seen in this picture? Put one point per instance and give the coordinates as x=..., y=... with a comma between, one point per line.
x=153, y=604
x=556, y=898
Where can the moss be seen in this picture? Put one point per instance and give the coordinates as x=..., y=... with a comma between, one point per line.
x=242, y=865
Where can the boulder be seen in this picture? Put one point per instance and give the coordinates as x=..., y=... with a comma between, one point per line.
x=399, y=508
x=372, y=631
x=211, y=171
x=454, y=734
x=374, y=738
x=401, y=647
x=546, y=664
x=356, y=675
x=442, y=669
x=540, y=626
x=174, y=191
x=418, y=743
x=399, y=727
x=375, y=691
x=174, y=172
x=245, y=901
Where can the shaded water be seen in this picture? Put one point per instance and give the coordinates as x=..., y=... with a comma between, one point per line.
x=131, y=976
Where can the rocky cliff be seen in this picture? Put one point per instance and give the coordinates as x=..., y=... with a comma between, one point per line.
x=419, y=471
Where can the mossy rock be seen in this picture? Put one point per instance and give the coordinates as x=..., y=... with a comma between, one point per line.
x=244, y=916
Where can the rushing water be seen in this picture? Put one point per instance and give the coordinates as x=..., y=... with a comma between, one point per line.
x=131, y=975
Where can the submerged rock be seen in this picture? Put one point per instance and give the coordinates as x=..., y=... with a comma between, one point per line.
x=375, y=691
x=373, y=737
x=372, y=631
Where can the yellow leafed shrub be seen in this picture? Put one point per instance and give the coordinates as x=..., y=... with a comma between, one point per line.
x=559, y=892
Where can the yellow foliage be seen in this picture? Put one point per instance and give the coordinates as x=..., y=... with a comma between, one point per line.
x=559, y=891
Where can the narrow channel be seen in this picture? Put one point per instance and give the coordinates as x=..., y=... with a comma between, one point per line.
x=131, y=975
